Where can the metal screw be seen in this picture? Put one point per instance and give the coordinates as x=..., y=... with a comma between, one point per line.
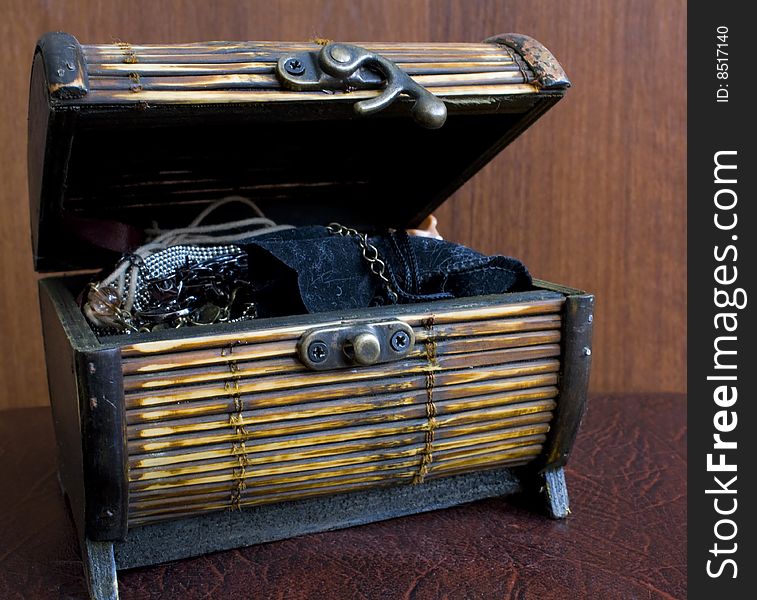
x=587, y=351
x=294, y=66
x=341, y=54
x=317, y=352
x=399, y=341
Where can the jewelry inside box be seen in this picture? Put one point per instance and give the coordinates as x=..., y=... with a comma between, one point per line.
x=202, y=274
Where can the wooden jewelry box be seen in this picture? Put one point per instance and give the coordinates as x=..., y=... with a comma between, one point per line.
x=199, y=439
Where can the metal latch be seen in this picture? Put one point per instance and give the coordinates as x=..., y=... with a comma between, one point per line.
x=346, y=67
x=358, y=344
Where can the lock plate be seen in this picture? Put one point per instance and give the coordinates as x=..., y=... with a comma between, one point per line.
x=344, y=67
x=359, y=344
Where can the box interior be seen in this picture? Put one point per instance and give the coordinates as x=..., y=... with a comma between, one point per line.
x=303, y=165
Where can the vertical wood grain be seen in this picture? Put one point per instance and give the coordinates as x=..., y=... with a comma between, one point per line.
x=593, y=196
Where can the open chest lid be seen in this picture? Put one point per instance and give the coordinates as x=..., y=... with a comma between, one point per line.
x=123, y=136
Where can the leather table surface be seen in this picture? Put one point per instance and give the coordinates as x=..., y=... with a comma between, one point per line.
x=626, y=537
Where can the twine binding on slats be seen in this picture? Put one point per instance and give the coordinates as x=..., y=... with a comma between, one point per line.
x=130, y=57
x=427, y=454
x=135, y=84
x=213, y=471
x=228, y=350
x=238, y=448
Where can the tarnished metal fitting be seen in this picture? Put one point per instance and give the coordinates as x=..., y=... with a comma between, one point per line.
x=362, y=344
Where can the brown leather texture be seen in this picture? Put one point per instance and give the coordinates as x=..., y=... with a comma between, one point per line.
x=593, y=196
x=626, y=537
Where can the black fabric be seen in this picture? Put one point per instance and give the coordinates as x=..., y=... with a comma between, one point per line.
x=310, y=269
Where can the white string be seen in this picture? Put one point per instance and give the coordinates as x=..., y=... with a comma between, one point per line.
x=223, y=201
x=194, y=233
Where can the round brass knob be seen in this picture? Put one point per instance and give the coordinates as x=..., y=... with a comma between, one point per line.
x=367, y=348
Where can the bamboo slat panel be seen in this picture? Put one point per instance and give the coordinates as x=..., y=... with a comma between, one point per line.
x=243, y=81
x=230, y=342
x=238, y=72
x=212, y=426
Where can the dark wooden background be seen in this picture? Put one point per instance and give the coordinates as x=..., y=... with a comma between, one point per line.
x=593, y=196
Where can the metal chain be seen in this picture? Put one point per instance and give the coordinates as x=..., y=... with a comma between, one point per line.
x=196, y=293
x=370, y=254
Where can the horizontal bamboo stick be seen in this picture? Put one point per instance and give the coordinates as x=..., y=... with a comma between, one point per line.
x=545, y=374
x=246, y=81
x=358, y=484
x=289, y=364
x=193, y=499
x=488, y=338
x=247, y=63
x=310, y=471
x=279, y=475
x=221, y=45
x=149, y=363
x=247, y=96
x=271, y=55
x=456, y=353
x=272, y=473
x=193, y=494
x=225, y=47
x=450, y=369
x=435, y=81
x=510, y=459
x=266, y=65
x=110, y=71
x=397, y=53
x=264, y=62
x=351, y=484
x=287, y=347
x=255, y=367
x=216, y=365
x=271, y=425
x=494, y=380
x=259, y=51
x=241, y=64
x=229, y=340
x=253, y=454
x=360, y=435
x=409, y=413
x=274, y=488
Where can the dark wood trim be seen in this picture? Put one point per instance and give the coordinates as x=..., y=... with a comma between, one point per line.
x=557, y=287
x=58, y=294
x=65, y=68
x=61, y=379
x=101, y=398
x=86, y=394
x=578, y=319
x=549, y=73
x=51, y=134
